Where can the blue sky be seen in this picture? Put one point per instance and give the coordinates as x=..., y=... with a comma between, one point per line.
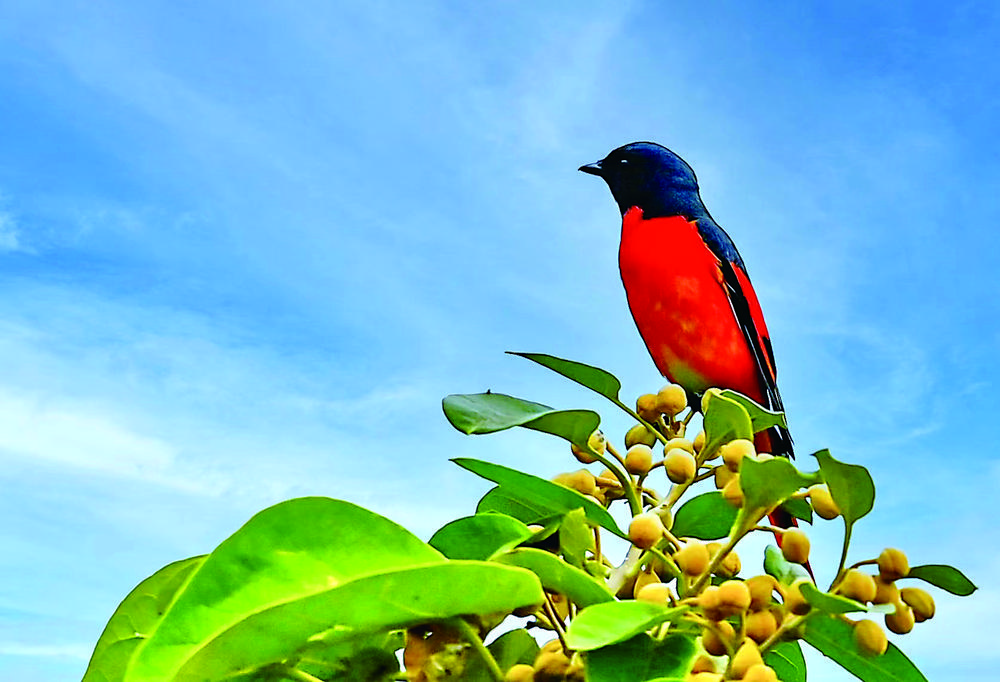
x=245, y=249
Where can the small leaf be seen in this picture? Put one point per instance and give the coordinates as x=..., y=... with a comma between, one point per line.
x=798, y=508
x=575, y=537
x=787, y=661
x=760, y=417
x=725, y=419
x=946, y=577
x=479, y=537
x=541, y=493
x=616, y=621
x=558, y=576
x=834, y=638
x=707, y=517
x=642, y=658
x=489, y=412
x=830, y=603
x=767, y=483
x=594, y=378
x=850, y=485
x=777, y=566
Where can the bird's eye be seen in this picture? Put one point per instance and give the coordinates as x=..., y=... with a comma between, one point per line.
x=623, y=162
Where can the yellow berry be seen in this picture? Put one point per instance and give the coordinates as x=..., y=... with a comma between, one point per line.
x=644, y=578
x=722, y=476
x=703, y=664
x=551, y=666
x=746, y=656
x=639, y=434
x=699, y=441
x=520, y=673
x=715, y=644
x=657, y=593
x=708, y=600
x=732, y=492
x=795, y=546
x=639, y=459
x=671, y=399
x=892, y=564
x=646, y=406
x=682, y=443
x=794, y=601
x=734, y=597
x=645, y=530
x=581, y=481
x=760, y=625
x=734, y=451
x=704, y=677
x=822, y=501
x=760, y=673
x=730, y=566
x=858, y=586
x=885, y=593
x=901, y=621
x=921, y=602
x=870, y=638
x=761, y=588
x=680, y=465
x=583, y=455
x=692, y=558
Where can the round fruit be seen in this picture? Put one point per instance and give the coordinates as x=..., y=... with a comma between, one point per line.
x=708, y=600
x=760, y=673
x=645, y=530
x=747, y=655
x=657, y=593
x=682, y=443
x=671, y=399
x=760, y=625
x=639, y=434
x=680, y=465
x=870, y=638
x=692, y=558
x=730, y=566
x=581, y=481
x=858, y=586
x=734, y=597
x=722, y=476
x=892, y=564
x=901, y=621
x=699, y=441
x=639, y=459
x=646, y=406
x=551, y=666
x=583, y=455
x=921, y=602
x=761, y=588
x=885, y=593
x=644, y=578
x=794, y=545
x=703, y=664
x=520, y=673
x=732, y=492
x=734, y=451
x=713, y=643
x=794, y=601
x=822, y=501
x=704, y=677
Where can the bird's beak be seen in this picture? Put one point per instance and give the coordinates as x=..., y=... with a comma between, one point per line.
x=593, y=169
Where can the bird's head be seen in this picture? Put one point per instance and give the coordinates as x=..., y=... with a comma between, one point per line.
x=652, y=177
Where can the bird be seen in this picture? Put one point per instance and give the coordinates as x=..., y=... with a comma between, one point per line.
x=687, y=285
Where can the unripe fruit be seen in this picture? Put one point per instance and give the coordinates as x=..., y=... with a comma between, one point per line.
x=551, y=666
x=656, y=593
x=708, y=600
x=902, y=620
x=822, y=501
x=703, y=664
x=794, y=545
x=921, y=602
x=794, y=601
x=734, y=451
x=760, y=673
x=858, y=586
x=682, y=443
x=639, y=459
x=746, y=656
x=704, y=677
x=760, y=625
x=645, y=405
x=730, y=566
x=645, y=530
x=680, y=465
x=692, y=558
x=520, y=673
x=734, y=597
x=761, y=588
x=713, y=643
x=671, y=399
x=870, y=638
x=699, y=441
x=885, y=593
x=722, y=476
x=733, y=493
x=644, y=578
x=892, y=564
x=581, y=481
x=583, y=456
x=639, y=434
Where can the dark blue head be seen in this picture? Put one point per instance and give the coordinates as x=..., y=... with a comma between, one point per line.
x=652, y=177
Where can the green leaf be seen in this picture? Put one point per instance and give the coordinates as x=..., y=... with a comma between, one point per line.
x=365, y=658
x=594, y=378
x=501, y=501
x=480, y=413
x=767, y=483
x=724, y=420
x=798, y=508
x=787, y=661
x=780, y=568
x=642, y=659
x=761, y=418
x=834, y=638
x=575, y=537
x=707, y=517
x=616, y=621
x=830, y=603
x=850, y=485
x=576, y=426
x=946, y=577
x=479, y=536
x=135, y=619
x=540, y=493
x=558, y=576
x=509, y=649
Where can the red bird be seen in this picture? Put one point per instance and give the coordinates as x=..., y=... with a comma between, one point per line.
x=686, y=284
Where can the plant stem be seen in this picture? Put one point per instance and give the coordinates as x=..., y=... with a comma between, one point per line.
x=472, y=637
x=627, y=484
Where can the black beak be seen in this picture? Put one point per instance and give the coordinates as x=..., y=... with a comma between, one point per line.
x=593, y=169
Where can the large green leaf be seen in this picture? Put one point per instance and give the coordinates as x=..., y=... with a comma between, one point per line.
x=946, y=577
x=787, y=661
x=502, y=501
x=136, y=618
x=760, y=417
x=558, y=576
x=834, y=638
x=490, y=412
x=541, y=493
x=611, y=622
x=767, y=483
x=642, y=659
x=725, y=420
x=479, y=536
x=594, y=378
x=707, y=517
x=850, y=485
